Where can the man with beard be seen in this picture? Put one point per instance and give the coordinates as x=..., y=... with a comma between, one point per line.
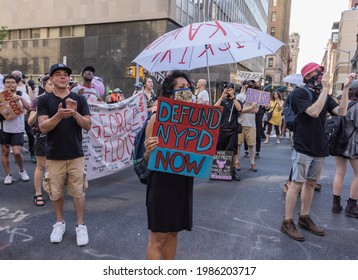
x=86, y=89
x=310, y=146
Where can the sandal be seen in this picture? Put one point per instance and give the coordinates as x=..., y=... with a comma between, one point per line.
x=38, y=200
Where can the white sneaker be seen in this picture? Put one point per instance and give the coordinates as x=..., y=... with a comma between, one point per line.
x=58, y=230
x=82, y=235
x=8, y=180
x=24, y=176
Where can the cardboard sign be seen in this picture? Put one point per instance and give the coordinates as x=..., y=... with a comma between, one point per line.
x=108, y=145
x=244, y=75
x=10, y=108
x=258, y=96
x=222, y=166
x=188, y=135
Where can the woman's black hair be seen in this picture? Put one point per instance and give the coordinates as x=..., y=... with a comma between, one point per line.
x=170, y=82
x=353, y=94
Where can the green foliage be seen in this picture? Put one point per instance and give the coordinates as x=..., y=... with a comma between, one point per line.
x=3, y=33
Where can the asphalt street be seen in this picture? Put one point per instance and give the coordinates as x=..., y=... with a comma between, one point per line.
x=232, y=220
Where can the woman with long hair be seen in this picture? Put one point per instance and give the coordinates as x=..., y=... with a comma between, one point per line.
x=40, y=144
x=275, y=106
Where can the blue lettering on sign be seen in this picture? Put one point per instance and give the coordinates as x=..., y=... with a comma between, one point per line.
x=179, y=162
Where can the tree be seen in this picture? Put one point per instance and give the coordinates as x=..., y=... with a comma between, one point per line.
x=3, y=34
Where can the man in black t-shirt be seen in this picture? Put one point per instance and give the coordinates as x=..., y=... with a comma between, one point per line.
x=63, y=115
x=227, y=140
x=309, y=146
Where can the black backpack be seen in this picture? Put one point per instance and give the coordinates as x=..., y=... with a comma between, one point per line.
x=290, y=116
x=139, y=163
x=336, y=135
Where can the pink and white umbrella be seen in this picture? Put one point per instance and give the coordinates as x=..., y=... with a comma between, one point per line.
x=206, y=44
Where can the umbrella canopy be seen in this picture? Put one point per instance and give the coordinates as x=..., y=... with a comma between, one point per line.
x=206, y=44
x=295, y=79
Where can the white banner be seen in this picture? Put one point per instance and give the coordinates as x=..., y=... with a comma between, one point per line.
x=109, y=143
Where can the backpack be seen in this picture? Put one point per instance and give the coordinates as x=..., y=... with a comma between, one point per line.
x=336, y=135
x=290, y=116
x=139, y=163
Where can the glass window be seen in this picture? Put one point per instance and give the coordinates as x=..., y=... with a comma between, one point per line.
x=24, y=34
x=13, y=34
x=35, y=33
x=45, y=43
x=46, y=64
x=79, y=31
x=53, y=32
x=14, y=44
x=24, y=44
x=273, y=31
x=273, y=16
x=270, y=62
x=35, y=43
x=66, y=31
x=36, y=69
x=274, y=3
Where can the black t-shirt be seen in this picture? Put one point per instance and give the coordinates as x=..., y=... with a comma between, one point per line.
x=64, y=142
x=309, y=137
x=226, y=124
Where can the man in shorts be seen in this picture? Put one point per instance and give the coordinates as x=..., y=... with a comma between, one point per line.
x=310, y=146
x=63, y=115
x=248, y=121
x=12, y=131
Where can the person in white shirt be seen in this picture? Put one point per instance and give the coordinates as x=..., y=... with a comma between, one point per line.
x=12, y=134
x=86, y=89
x=201, y=95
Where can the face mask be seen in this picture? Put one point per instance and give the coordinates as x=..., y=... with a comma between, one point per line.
x=183, y=94
x=316, y=82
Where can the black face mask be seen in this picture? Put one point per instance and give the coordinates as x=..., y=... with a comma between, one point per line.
x=316, y=82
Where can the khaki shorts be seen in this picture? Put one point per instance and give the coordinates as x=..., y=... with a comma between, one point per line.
x=248, y=134
x=65, y=172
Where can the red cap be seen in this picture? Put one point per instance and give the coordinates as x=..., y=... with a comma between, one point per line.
x=310, y=67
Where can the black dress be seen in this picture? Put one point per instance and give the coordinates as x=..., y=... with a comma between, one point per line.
x=169, y=202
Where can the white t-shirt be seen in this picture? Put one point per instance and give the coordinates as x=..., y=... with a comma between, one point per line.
x=87, y=92
x=17, y=125
x=202, y=97
x=246, y=119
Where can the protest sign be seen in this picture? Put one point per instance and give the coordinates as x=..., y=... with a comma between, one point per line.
x=258, y=96
x=9, y=108
x=244, y=75
x=188, y=135
x=222, y=165
x=108, y=144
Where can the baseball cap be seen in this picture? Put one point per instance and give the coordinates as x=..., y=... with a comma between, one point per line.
x=310, y=67
x=139, y=84
x=59, y=66
x=117, y=90
x=17, y=73
x=354, y=84
x=90, y=68
x=229, y=85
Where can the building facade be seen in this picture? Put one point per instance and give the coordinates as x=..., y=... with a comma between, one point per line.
x=277, y=66
x=341, y=52
x=109, y=34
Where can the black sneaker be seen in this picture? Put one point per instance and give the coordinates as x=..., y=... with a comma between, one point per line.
x=336, y=207
x=257, y=155
x=236, y=176
x=246, y=154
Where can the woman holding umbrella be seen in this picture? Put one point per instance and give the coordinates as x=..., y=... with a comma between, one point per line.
x=169, y=196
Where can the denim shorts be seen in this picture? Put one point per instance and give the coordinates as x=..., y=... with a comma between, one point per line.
x=306, y=167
